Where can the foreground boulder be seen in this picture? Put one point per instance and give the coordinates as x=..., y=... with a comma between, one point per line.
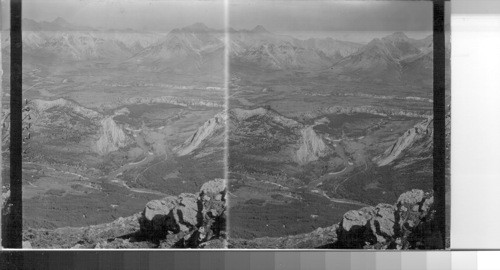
x=186, y=220
x=387, y=226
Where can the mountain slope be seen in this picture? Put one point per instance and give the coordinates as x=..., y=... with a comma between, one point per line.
x=264, y=49
x=207, y=139
x=416, y=143
x=393, y=58
x=195, y=48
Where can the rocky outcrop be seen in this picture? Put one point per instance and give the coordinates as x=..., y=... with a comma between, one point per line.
x=312, y=146
x=184, y=221
x=405, y=225
x=187, y=220
x=43, y=105
x=418, y=138
x=206, y=132
x=112, y=137
x=387, y=226
x=210, y=136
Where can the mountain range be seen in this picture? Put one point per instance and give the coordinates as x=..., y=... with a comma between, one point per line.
x=391, y=58
x=264, y=49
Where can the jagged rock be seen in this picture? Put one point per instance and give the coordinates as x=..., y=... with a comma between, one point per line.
x=112, y=137
x=386, y=226
x=413, y=206
x=417, y=139
x=205, y=132
x=158, y=217
x=186, y=220
x=382, y=223
x=159, y=207
x=214, y=188
x=312, y=146
x=172, y=241
x=188, y=211
x=355, y=229
x=357, y=218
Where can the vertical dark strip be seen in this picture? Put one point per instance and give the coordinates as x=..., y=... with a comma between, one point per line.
x=439, y=124
x=14, y=220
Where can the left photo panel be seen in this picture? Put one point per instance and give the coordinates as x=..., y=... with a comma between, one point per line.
x=123, y=124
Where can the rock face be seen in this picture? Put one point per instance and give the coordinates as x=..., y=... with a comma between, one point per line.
x=258, y=132
x=197, y=218
x=44, y=105
x=419, y=139
x=184, y=221
x=386, y=226
x=112, y=137
x=208, y=131
x=312, y=146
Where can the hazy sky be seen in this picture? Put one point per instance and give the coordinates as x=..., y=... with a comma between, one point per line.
x=136, y=14
x=349, y=20
x=323, y=18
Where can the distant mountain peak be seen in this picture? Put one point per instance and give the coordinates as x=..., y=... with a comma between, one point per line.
x=259, y=29
x=58, y=24
x=60, y=20
x=376, y=42
x=397, y=36
x=196, y=27
x=375, y=47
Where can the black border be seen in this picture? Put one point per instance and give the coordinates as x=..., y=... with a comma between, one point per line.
x=12, y=233
x=439, y=146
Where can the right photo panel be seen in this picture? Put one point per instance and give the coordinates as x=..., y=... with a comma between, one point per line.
x=330, y=135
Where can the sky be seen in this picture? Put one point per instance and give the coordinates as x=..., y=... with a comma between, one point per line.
x=349, y=19
x=163, y=15
x=358, y=21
